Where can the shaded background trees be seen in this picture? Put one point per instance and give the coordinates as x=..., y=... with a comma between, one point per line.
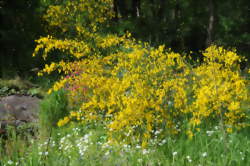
x=188, y=25
x=182, y=25
x=19, y=26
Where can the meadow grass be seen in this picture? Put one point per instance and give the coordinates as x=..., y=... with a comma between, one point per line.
x=88, y=145
x=21, y=86
x=52, y=108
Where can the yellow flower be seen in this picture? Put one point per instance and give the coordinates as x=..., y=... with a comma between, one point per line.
x=234, y=106
x=229, y=130
x=190, y=134
x=63, y=122
x=134, y=88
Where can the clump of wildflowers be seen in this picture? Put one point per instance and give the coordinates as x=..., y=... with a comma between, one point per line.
x=134, y=89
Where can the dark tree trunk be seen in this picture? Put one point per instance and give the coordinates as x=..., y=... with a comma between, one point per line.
x=162, y=9
x=177, y=42
x=176, y=12
x=136, y=8
x=210, y=26
x=115, y=8
x=122, y=8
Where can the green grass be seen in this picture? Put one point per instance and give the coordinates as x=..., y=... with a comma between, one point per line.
x=18, y=85
x=52, y=109
x=77, y=145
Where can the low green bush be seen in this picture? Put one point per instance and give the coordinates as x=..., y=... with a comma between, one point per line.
x=52, y=108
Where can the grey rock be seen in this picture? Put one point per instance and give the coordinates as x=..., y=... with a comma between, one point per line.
x=15, y=109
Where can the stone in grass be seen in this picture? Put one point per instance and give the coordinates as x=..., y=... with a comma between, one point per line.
x=16, y=110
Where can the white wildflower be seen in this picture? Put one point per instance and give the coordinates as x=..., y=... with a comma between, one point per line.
x=107, y=153
x=210, y=133
x=204, y=154
x=189, y=159
x=174, y=153
x=10, y=162
x=144, y=151
x=164, y=141
x=139, y=160
x=157, y=132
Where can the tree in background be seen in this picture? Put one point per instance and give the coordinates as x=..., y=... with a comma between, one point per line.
x=182, y=25
x=20, y=26
x=187, y=25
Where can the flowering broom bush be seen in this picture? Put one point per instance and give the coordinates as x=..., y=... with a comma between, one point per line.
x=137, y=91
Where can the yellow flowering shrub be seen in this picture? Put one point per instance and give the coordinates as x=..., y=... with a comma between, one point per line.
x=136, y=90
x=75, y=28
x=220, y=92
x=70, y=16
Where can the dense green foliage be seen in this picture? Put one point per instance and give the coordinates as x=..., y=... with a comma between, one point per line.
x=52, y=109
x=187, y=25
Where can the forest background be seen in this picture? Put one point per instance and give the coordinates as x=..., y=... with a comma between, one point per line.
x=183, y=26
